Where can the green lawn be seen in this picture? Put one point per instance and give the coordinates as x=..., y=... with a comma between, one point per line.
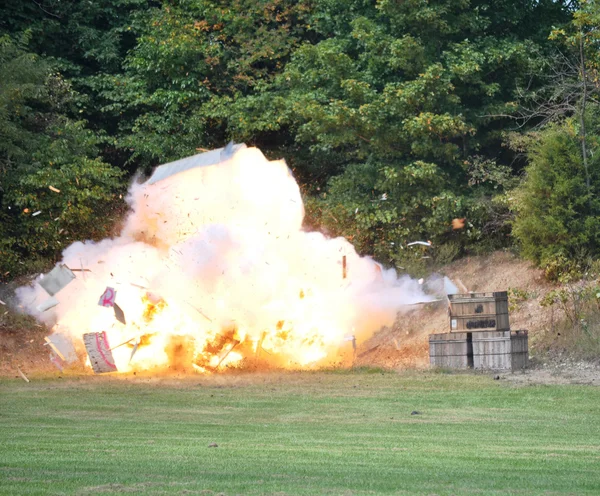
x=298, y=433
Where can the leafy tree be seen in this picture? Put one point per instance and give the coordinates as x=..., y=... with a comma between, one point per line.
x=191, y=60
x=393, y=102
x=53, y=186
x=553, y=221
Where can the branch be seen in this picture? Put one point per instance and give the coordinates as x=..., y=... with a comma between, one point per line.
x=45, y=11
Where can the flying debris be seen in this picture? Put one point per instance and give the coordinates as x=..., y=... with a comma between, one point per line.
x=458, y=223
x=107, y=299
x=205, y=159
x=135, y=348
x=22, y=375
x=101, y=358
x=47, y=304
x=119, y=315
x=56, y=279
x=62, y=346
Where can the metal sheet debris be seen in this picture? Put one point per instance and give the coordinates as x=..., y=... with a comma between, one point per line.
x=56, y=279
x=200, y=160
x=119, y=315
x=108, y=297
x=98, y=349
x=47, y=304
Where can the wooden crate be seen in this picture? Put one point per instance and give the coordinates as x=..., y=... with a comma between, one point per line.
x=451, y=350
x=479, y=311
x=500, y=350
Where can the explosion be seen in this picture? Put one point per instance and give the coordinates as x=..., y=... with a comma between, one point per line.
x=213, y=269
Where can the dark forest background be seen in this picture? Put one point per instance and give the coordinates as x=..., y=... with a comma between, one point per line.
x=471, y=124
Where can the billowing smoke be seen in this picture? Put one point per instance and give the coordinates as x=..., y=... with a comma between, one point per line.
x=214, y=259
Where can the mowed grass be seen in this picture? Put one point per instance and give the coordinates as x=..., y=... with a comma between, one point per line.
x=298, y=433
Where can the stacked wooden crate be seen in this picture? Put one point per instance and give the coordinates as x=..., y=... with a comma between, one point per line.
x=480, y=335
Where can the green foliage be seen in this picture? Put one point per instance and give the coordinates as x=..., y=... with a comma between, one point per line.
x=48, y=164
x=557, y=217
x=383, y=109
x=191, y=61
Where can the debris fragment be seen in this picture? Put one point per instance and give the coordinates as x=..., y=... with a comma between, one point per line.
x=353, y=339
x=101, y=359
x=458, y=223
x=52, y=188
x=36, y=213
x=108, y=297
x=235, y=343
x=415, y=412
x=449, y=286
x=422, y=243
x=344, y=272
x=463, y=288
x=199, y=311
x=119, y=315
x=135, y=348
x=122, y=344
x=2, y=303
x=57, y=361
x=213, y=445
x=22, y=375
x=62, y=346
x=57, y=279
x=47, y=304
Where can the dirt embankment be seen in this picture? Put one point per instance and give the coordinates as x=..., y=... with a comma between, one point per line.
x=405, y=344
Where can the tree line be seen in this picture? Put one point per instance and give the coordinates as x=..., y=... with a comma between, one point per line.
x=471, y=124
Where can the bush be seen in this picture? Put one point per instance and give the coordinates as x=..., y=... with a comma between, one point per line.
x=54, y=188
x=556, y=215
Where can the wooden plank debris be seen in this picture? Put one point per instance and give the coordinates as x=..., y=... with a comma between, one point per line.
x=98, y=349
x=22, y=375
x=62, y=346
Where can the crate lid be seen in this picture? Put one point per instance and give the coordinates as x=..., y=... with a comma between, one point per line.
x=470, y=297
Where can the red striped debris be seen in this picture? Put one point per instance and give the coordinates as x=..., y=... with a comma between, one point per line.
x=108, y=297
x=98, y=349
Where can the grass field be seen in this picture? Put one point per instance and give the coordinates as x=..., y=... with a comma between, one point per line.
x=298, y=433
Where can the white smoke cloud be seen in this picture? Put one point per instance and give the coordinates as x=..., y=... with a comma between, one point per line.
x=221, y=248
